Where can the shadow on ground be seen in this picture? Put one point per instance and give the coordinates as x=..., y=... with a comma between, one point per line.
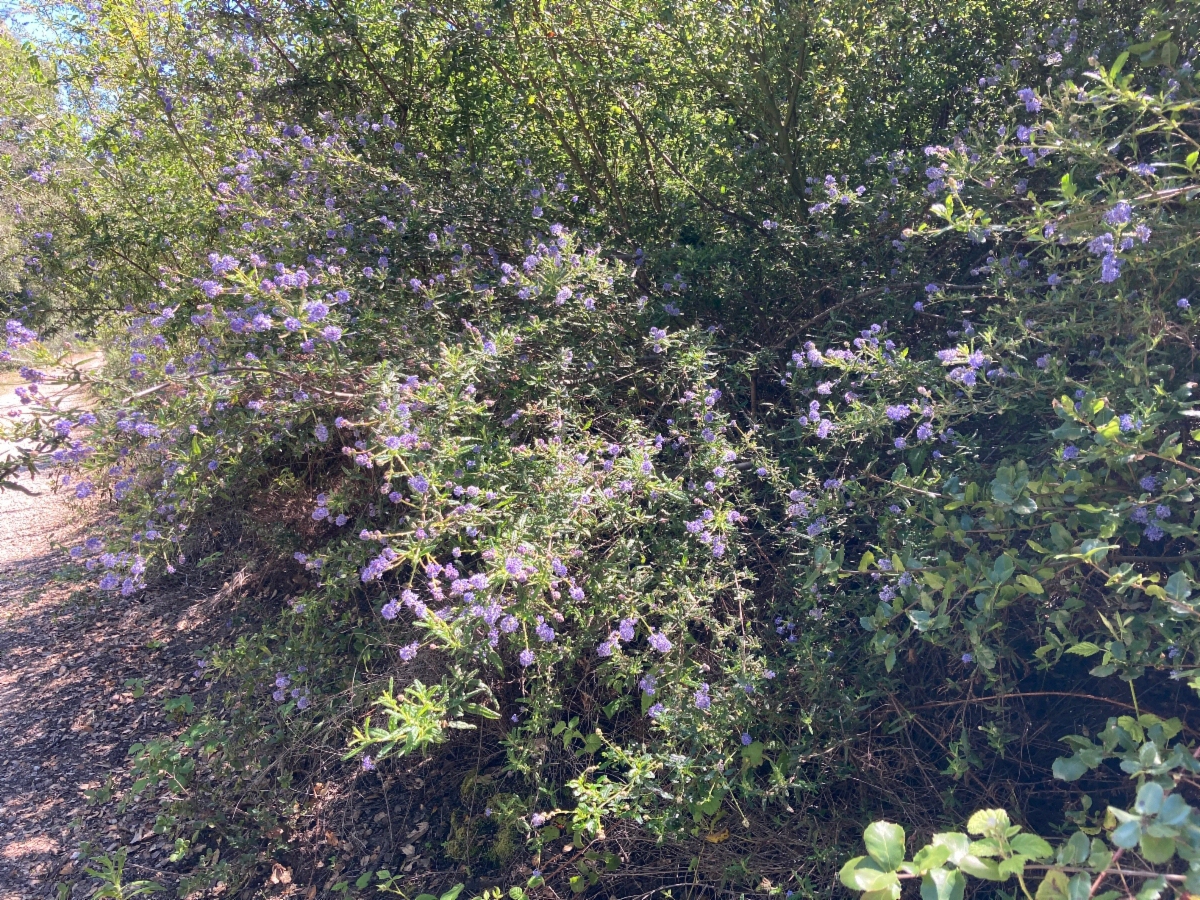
x=82, y=677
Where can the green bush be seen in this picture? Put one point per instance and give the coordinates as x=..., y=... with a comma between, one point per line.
x=696, y=533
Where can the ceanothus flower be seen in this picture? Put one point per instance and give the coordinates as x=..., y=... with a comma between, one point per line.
x=1030, y=99
x=659, y=641
x=1120, y=214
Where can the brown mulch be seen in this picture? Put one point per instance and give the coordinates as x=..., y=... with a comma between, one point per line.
x=83, y=677
x=71, y=661
x=70, y=665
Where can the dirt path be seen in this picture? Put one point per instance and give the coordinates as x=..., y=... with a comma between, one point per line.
x=82, y=677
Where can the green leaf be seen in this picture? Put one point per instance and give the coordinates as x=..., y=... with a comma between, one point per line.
x=754, y=753
x=861, y=874
x=986, y=657
x=985, y=848
x=1060, y=537
x=885, y=844
x=1075, y=851
x=1174, y=811
x=1083, y=648
x=1002, y=570
x=942, y=884
x=1157, y=850
x=1118, y=65
x=930, y=857
x=1053, y=886
x=1096, y=550
x=1080, y=887
x=1030, y=584
x=933, y=580
x=989, y=822
x=848, y=873
x=1149, y=799
x=1152, y=888
x=1002, y=492
x=1025, y=506
x=1014, y=865
x=958, y=844
x=1032, y=846
x=1179, y=587
x=987, y=869
x=1069, y=768
x=1126, y=834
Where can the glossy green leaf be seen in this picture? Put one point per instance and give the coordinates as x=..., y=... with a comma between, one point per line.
x=885, y=844
x=942, y=884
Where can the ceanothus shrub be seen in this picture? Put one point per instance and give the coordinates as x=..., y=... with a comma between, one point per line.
x=522, y=477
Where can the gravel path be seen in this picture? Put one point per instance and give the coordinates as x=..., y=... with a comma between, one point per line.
x=82, y=677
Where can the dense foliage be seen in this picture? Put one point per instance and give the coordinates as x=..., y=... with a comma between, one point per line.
x=746, y=420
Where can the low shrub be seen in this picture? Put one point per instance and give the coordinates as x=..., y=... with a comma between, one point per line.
x=676, y=584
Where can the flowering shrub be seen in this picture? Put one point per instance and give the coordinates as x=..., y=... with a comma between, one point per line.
x=527, y=492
